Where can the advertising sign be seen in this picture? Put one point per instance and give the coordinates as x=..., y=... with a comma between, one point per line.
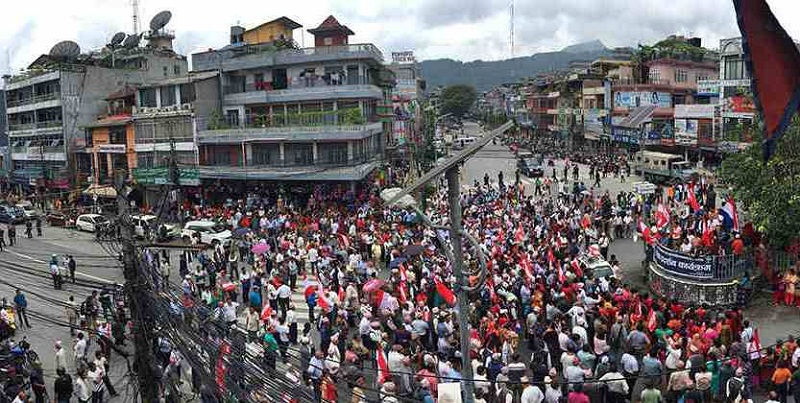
x=708, y=87
x=111, y=148
x=739, y=106
x=593, y=124
x=406, y=57
x=686, y=132
x=683, y=265
x=636, y=99
x=694, y=111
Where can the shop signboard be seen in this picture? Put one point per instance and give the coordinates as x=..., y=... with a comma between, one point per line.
x=111, y=148
x=630, y=100
x=686, y=132
x=405, y=57
x=593, y=124
x=683, y=265
x=739, y=106
x=708, y=87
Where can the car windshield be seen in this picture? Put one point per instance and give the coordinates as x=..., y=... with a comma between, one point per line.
x=532, y=161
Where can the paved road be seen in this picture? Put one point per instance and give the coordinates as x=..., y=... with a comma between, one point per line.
x=26, y=266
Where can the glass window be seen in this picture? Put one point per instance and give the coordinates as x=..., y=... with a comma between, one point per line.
x=147, y=97
x=168, y=96
x=681, y=75
x=176, y=69
x=654, y=74
x=735, y=69
x=333, y=153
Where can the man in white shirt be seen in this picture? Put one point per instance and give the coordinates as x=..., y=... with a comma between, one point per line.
x=60, y=356
x=284, y=293
x=530, y=393
x=79, y=349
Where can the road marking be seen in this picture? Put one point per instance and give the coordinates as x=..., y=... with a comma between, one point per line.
x=89, y=276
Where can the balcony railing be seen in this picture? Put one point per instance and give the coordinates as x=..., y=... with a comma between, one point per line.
x=322, y=82
x=33, y=100
x=342, y=117
x=260, y=55
x=38, y=125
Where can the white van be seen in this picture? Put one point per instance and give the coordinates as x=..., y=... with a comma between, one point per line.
x=211, y=233
x=463, y=142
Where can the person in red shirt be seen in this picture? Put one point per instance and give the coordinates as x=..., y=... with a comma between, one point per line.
x=577, y=395
x=737, y=245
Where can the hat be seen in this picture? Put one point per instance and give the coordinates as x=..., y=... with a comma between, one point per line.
x=548, y=380
x=524, y=379
x=58, y=343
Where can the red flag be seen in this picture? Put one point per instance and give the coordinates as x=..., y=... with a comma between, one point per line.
x=344, y=241
x=446, y=294
x=383, y=366
x=266, y=312
x=708, y=235
x=402, y=290
x=652, y=323
x=662, y=216
x=691, y=199
x=519, y=234
x=561, y=277
x=525, y=262
x=341, y=294
x=774, y=64
x=323, y=302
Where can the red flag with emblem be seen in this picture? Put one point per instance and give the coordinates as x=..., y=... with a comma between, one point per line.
x=383, y=366
x=773, y=62
x=691, y=199
x=652, y=323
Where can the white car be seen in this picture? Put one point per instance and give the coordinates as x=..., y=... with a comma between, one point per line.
x=90, y=222
x=211, y=233
x=598, y=266
x=143, y=227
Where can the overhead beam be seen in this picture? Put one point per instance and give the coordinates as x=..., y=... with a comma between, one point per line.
x=450, y=162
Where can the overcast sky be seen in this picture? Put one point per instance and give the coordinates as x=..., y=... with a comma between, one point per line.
x=458, y=29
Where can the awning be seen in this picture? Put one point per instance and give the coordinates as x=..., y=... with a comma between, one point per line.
x=637, y=117
x=101, y=191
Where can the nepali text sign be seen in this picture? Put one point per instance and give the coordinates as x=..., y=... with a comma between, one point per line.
x=632, y=100
x=686, y=131
x=406, y=57
x=683, y=265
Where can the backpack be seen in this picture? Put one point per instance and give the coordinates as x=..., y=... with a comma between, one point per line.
x=735, y=387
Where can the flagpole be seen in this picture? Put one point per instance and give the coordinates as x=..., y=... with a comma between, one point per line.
x=454, y=197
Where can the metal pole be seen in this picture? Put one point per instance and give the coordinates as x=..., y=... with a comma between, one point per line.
x=454, y=197
x=137, y=295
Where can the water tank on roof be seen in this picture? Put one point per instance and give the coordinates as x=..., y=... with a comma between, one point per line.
x=237, y=34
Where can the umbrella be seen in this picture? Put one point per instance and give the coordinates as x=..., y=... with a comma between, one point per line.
x=396, y=262
x=373, y=285
x=259, y=248
x=228, y=287
x=241, y=231
x=414, y=250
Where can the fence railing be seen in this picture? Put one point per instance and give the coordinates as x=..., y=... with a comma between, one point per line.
x=702, y=268
x=34, y=99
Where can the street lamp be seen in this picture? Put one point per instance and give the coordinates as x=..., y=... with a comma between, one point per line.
x=455, y=253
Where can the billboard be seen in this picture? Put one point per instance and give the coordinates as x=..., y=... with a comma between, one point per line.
x=686, y=132
x=406, y=57
x=739, y=106
x=631, y=100
x=694, y=111
x=593, y=124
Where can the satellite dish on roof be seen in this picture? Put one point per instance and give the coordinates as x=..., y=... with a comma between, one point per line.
x=131, y=41
x=160, y=20
x=117, y=39
x=66, y=49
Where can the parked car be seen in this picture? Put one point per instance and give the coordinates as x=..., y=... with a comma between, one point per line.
x=210, y=232
x=11, y=214
x=143, y=227
x=55, y=219
x=530, y=167
x=28, y=211
x=90, y=222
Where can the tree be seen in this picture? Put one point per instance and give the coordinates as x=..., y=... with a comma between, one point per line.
x=770, y=192
x=457, y=99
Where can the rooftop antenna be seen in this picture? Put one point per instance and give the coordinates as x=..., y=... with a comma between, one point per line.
x=135, y=5
x=511, y=33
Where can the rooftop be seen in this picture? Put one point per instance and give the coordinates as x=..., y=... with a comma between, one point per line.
x=331, y=24
x=285, y=21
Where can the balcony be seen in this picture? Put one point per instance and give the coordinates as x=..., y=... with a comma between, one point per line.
x=355, y=170
x=44, y=127
x=34, y=99
x=306, y=90
x=255, y=133
x=260, y=55
x=38, y=153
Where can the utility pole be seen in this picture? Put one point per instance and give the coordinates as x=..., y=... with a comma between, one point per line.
x=137, y=296
x=454, y=197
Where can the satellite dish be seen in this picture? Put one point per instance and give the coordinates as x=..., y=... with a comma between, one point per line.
x=117, y=39
x=131, y=41
x=66, y=49
x=160, y=20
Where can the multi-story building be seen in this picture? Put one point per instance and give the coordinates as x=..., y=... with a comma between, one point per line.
x=406, y=99
x=4, y=157
x=291, y=114
x=51, y=103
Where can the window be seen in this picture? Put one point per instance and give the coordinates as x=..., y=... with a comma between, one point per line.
x=166, y=71
x=333, y=153
x=220, y=157
x=298, y=154
x=681, y=75
x=701, y=77
x=187, y=93
x=168, y=95
x=176, y=69
x=655, y=74
x=327, y=41
x=265, y=154
x=147, y=97
x=735, y=69
x=117, y=135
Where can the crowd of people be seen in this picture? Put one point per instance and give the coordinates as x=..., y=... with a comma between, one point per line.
x=380, y=297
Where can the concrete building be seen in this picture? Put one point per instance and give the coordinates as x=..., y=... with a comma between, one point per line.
x=406, y=99
x=4, y=157
x=295, y=114
x=57, y=97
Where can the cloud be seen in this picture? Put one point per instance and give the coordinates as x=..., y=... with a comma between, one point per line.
x=433, y=13
x=15, y=42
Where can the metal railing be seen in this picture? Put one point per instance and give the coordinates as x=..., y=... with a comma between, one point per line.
x=34, y=99
x=286, y=123
x=323, y=83
x=703, y=268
